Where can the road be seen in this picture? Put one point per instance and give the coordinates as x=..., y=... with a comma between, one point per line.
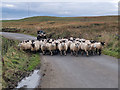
x=17, y=36
x=75, y=72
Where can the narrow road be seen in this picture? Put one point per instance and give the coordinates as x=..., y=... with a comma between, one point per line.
x=75, y=72
x=17, y=36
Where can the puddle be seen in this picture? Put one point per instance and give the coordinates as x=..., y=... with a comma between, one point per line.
x=32, y=81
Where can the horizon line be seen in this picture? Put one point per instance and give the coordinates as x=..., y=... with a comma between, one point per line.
x=61, y=17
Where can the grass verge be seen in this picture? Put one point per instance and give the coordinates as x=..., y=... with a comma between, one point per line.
x=111, y=53
x=17, y=64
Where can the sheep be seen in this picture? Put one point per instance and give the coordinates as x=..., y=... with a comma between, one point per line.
x=51, y=46
x=64, y=45
x=92, y=46
x=43, y=47
x=82, y=40
x=21, y=45
x=87, y=41
x=35, y=46
x=50, y=40
x=92, y=49
x=57, y=42
x=99, y=46
x=71, y=38
x=93, y=41
x=85, y=47
x=74, y=47
x=63, y=48
x=28, y=45
x=25, y=45
x=77, y=39
x=69, y=43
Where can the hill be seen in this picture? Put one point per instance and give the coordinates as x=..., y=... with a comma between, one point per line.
x=103, y=28
x=49, y=18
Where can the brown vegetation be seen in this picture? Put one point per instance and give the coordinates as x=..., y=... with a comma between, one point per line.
x=97, y=28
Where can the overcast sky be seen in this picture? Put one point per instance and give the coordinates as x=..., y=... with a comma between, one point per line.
x=18, y=10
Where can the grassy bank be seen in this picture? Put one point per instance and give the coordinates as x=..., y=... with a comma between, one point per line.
x=103, y=28
x=17, y=64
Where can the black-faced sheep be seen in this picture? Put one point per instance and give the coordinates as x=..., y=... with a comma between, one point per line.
x=63, y=48
x=74, y=48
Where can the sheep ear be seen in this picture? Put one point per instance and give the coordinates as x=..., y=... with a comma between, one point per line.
x=103, y=43
x=33, y=45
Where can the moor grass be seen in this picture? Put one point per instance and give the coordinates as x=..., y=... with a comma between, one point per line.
x=104, y=28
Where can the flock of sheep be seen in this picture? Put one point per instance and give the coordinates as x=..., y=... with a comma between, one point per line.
x=63, y=46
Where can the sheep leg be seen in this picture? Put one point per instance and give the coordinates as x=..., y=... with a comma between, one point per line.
x=57, y=51
x=76, y=53
x=61, y=53
x=65, y=52
x=96, y=51
x=34, y=51
x=43, y=52
x=93, y=52
x=86, y=52
x=51, y=53
x=99, y=51
x=71, y=53
x=82, y=53
x=39, y=51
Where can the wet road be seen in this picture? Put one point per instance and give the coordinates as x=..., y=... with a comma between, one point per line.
x=81, y=72
x=76, y=72
x=17, y=36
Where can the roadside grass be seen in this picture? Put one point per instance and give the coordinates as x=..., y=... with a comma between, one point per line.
x=0, y=75
x=111, y=53
x=0, y=63
x=98, y=28
x=18, y=63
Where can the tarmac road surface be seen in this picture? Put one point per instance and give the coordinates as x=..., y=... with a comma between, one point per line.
x=75, y=72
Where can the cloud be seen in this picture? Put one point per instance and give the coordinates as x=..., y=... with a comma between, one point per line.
x=8, y=5
x=60, y=9
x=9, y=18
x=60, y=0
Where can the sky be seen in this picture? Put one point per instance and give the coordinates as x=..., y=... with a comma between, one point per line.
x=63, y=8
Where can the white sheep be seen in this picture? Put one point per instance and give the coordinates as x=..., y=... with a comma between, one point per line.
x=74, y=47
x=43, y=47
x=92, y=48
x=63, y=48
x=85, y=47
x=21, y=45
x=35, y=46
x=77, y=39
x=99, y=46
x=63, y=45
x=25, y=45
x=71, y=38
x=51, y=47
x=87, y=41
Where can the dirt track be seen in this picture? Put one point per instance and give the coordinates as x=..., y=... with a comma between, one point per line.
x=75, y=72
